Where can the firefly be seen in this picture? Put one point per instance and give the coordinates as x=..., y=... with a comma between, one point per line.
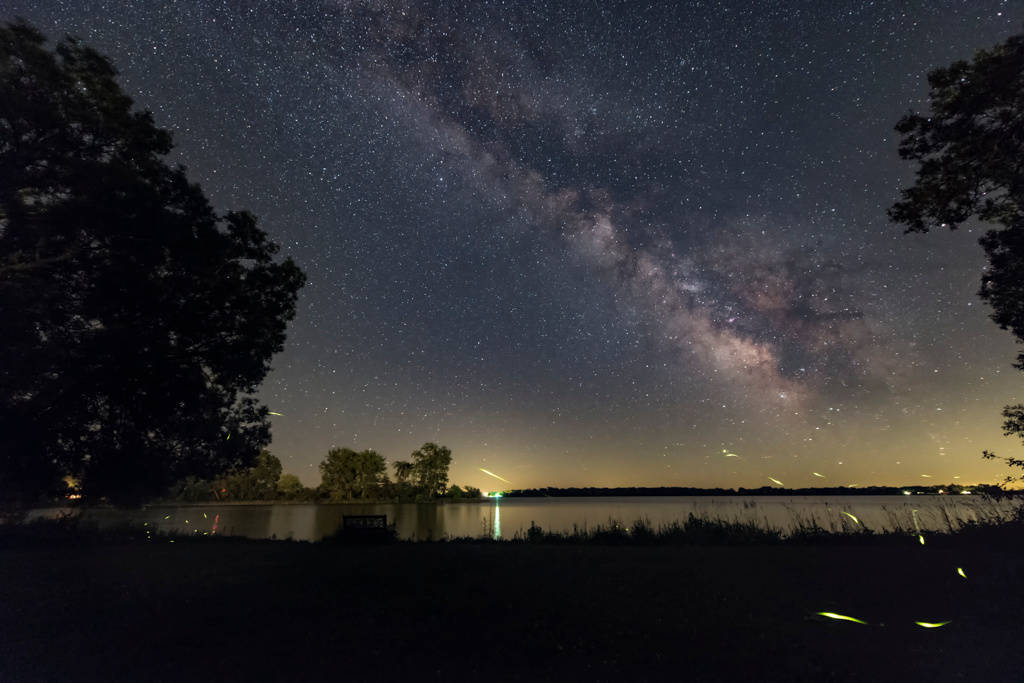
x=818, y=475
x=731, y=455
x=857, y=521
x=495, y=475
x=920, y=536
x=278, y=414
x=841, y=617
x=960, y=571
x=776, y=481
x=932, y=624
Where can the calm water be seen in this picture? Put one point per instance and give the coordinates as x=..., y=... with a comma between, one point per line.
x=506, y=517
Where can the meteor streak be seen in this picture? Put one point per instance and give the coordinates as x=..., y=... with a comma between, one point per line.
x=495, y=475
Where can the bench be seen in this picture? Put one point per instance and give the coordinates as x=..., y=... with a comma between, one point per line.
x=366, y=523
x=364, y=529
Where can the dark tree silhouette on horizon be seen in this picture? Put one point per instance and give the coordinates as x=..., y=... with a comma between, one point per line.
x=351, y=475
x=430, y=463
x=136, y=320
x=970, y=154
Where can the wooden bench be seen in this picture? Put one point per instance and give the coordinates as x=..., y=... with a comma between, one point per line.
x=364, y=529
x=364, y=523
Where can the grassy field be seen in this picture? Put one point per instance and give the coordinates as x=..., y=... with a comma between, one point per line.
x=225, y=609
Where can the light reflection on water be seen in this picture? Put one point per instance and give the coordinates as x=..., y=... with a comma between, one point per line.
x=425, y=521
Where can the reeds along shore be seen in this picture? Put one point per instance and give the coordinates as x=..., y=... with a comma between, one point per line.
x=701, y=531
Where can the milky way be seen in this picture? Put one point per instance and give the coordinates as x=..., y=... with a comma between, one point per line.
x=590, y=243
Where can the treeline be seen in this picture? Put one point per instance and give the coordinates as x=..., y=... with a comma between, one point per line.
x=346, y=475
x=592, y=491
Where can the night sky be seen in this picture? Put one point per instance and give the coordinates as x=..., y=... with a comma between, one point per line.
x=591, y=243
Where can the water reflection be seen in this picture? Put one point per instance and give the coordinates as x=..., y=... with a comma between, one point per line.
x=497, y=518
x=427, y=521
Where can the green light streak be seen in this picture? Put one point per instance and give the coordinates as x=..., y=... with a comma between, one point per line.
x=841, y=617
x=960, y=571
x=932, y=624
x=852, y=517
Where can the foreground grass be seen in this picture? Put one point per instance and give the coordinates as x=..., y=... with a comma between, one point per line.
x=124, y=608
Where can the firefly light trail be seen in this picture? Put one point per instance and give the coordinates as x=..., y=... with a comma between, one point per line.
x=841, y=617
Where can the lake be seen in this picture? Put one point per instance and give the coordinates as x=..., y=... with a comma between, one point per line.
x=507, y=517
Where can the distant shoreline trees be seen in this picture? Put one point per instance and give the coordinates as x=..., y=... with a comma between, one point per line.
x=347, y=476
x=641, y=491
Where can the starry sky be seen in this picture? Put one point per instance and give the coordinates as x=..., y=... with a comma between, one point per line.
x=591, y=243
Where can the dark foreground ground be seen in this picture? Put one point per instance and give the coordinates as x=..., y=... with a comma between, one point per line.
x=243, y=610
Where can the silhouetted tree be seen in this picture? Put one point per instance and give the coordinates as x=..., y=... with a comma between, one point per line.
x=135, y=318
x=289, y=487
x=970, y=150
x=195, y=490
x=403, y=469
x=348, y=474
x=430, y=468
x=457, y=492
x=258, y=482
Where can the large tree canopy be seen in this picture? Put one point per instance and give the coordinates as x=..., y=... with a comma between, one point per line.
x=430, y=464
x=135, y=318
x=348, y=474
x=970, y=154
